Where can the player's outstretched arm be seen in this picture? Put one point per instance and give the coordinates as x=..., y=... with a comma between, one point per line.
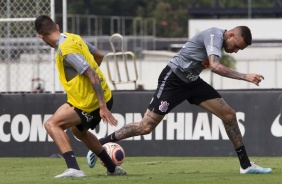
x=222, y=70
x=254, y=78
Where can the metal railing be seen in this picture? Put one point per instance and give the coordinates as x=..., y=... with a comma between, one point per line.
x=121, y=56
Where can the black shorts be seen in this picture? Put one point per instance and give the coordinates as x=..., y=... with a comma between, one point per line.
x=90, y=120
x=172, y=91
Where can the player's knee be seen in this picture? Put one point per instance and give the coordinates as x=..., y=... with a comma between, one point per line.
x=146, y=128
x=48, y=125
x=229, y=115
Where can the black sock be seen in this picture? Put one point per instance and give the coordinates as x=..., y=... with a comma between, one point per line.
x=109, y=164
x=109, y=138
x=71, y=160
x=243, y=157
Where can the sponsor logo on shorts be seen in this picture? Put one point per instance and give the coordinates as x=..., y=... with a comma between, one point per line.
x=192, y=77
x=163, y=107
x=87, y=116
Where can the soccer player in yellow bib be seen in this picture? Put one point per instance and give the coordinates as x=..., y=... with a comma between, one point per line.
x=89, y=98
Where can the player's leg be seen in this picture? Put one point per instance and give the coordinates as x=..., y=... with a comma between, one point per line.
x=222, y=110
x=90, y=121
x=148, y=123
x=208, y=98
x=145, y=126
x=168, y=94
x=63, y=118
x=93, y=144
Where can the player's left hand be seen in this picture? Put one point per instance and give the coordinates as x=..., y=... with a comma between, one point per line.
x=254, y=78
x=108, y=117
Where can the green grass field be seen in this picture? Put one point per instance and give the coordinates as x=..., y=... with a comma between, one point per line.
x=159, y=170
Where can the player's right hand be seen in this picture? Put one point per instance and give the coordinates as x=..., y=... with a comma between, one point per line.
x=254, y=78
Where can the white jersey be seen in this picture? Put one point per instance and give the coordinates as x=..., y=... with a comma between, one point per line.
x=192, y=58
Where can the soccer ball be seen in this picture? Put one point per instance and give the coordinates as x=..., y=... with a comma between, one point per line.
x=115, y=151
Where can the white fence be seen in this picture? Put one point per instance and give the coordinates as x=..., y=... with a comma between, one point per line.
x=16, y=40
x=262, y=60
x=26, y=62
x=265, y=61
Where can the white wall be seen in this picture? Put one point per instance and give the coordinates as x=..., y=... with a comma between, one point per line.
x=266, y=61
x=262, y=60
x=262, y=29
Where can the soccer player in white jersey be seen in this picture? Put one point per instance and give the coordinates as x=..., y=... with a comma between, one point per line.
x=180, y=81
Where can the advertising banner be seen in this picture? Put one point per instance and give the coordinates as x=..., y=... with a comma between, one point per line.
x=187, y=130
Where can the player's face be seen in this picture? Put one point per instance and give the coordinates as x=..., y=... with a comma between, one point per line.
x=52, y=38
x=47, y=40
x=235, y=43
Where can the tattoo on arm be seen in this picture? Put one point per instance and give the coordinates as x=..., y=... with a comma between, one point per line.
x=96, y=84
x=222, y=70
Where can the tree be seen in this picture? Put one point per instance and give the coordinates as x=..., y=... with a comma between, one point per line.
x=171, y=16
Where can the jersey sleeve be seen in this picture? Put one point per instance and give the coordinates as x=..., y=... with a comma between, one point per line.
x=91, y=48
x=77, y=61
x=213, y=43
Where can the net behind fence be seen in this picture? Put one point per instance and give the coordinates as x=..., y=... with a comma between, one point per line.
x=25, y=64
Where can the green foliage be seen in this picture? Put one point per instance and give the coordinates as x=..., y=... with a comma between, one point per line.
x=153, y=170
x=228, y=61
x=104, y=7
x=244, y=3
x=171, y=16
x=166, y=18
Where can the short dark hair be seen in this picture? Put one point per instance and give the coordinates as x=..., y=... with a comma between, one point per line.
x=246, y=34
x=44, y=25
